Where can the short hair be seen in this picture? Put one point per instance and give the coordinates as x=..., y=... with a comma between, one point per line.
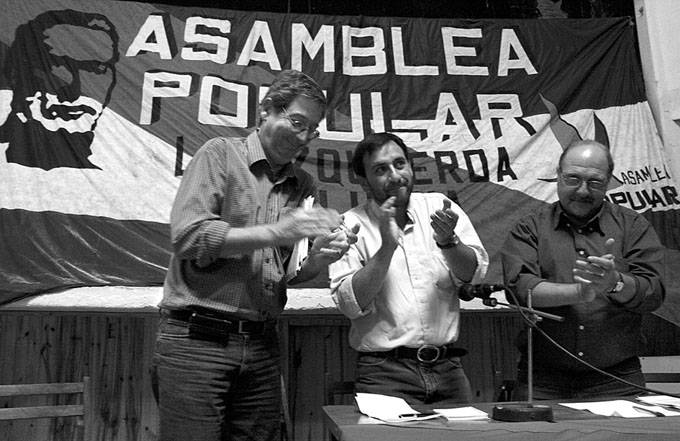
x=370, y=144
x=610, y=159
x=30, y=36
x=290, y=84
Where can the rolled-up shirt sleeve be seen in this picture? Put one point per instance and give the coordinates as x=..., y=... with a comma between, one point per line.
x=197, y=230
x=520, y=259
x=341, y=273
x=468, y=235
x=643, y=260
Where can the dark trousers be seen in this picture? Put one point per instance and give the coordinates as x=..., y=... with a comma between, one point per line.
x=443, y=382
x=556, y=385
x=217, y=390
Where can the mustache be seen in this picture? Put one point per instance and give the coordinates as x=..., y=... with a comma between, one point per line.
x=67, y=112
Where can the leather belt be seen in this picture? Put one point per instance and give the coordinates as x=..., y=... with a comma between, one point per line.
x=218, y=324
x=423, y=354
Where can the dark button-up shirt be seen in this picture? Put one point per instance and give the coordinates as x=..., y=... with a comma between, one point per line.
x=229, y=183
x=544, y=246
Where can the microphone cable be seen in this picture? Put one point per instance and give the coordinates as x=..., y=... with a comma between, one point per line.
x=533, y=325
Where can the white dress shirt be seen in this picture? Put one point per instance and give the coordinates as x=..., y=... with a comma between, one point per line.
x=418, y=303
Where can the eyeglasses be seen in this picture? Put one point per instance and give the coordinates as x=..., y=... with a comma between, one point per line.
x=592, y=184
x=300, y=126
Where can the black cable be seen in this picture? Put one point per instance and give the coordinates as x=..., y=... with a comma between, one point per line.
x=531, y=323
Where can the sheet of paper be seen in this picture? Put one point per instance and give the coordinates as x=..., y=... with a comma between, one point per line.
x=389, y=409
x=660, y=400
x=462, y=414
x=665, y=401
x=301, y=247
x=621, y=408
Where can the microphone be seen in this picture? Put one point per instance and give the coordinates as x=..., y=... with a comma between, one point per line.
x=469, y=291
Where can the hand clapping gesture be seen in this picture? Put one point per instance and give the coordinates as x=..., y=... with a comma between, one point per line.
x=596, y=274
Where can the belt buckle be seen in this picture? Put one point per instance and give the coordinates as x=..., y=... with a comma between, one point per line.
x=241, y=330
x=424, y=348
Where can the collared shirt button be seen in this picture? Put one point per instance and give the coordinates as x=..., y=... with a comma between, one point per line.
x=580, y=354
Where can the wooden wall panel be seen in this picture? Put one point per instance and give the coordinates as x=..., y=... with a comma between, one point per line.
x=116, y=350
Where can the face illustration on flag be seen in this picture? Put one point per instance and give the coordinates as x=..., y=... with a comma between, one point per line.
x=59, y=89
x=103, y=103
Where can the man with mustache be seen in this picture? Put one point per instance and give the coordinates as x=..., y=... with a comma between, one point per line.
x=59, y=89
x=398, y=282
x=596, y=264
x=238, y=211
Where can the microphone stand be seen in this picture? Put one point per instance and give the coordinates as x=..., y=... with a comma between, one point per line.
x=518, y=412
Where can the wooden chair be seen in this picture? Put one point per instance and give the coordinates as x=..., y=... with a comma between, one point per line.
x=286, y=420
x=662, y=372
x=332, y=388
x=82, y=411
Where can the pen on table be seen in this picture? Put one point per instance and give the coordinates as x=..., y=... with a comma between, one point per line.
x=417, y=414
x=409, y=415
x=648, y=411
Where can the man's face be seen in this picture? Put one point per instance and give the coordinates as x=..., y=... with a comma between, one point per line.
x=582, y=181
x=388, y=173
x=72, y=94
x=285, y=133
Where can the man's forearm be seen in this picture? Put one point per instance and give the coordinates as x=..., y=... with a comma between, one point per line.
x=367, y=282
x=462, y=261
x=555, y=294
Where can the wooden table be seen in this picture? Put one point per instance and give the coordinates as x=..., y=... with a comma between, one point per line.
x=347, y=424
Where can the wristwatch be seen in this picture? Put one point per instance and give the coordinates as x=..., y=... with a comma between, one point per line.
x=452, y=243
x=619, y=285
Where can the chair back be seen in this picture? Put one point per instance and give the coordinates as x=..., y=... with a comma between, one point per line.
x=50, y=407
x=662, y=373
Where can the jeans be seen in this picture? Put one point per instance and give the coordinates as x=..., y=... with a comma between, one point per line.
x=443, y=382
x=225, y=390
x=555, y=384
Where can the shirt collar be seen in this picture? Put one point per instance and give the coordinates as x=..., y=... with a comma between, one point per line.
x=561, y=220
x=256, y=155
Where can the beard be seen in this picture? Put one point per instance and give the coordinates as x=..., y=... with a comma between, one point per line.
x=31, y=145
x=78, y=116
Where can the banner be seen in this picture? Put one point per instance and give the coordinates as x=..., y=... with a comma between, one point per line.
x=103, y=103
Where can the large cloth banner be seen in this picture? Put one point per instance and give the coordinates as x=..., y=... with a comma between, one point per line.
x=103, y=103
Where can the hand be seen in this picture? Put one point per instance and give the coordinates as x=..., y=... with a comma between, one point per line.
x=596, y=274
x=299, y=223
x=443, y=223
x=389, y=230
x=332, y=246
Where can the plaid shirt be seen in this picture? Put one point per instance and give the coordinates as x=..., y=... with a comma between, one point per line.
x=229, y=183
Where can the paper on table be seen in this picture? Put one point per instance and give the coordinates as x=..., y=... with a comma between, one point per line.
x=388, y=408
x=660, y=400
x=619, y=408
x=301, y=248
x=462, y=414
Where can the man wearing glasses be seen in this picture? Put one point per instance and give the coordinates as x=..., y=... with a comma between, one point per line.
x=596, y=264
x=238, y=212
